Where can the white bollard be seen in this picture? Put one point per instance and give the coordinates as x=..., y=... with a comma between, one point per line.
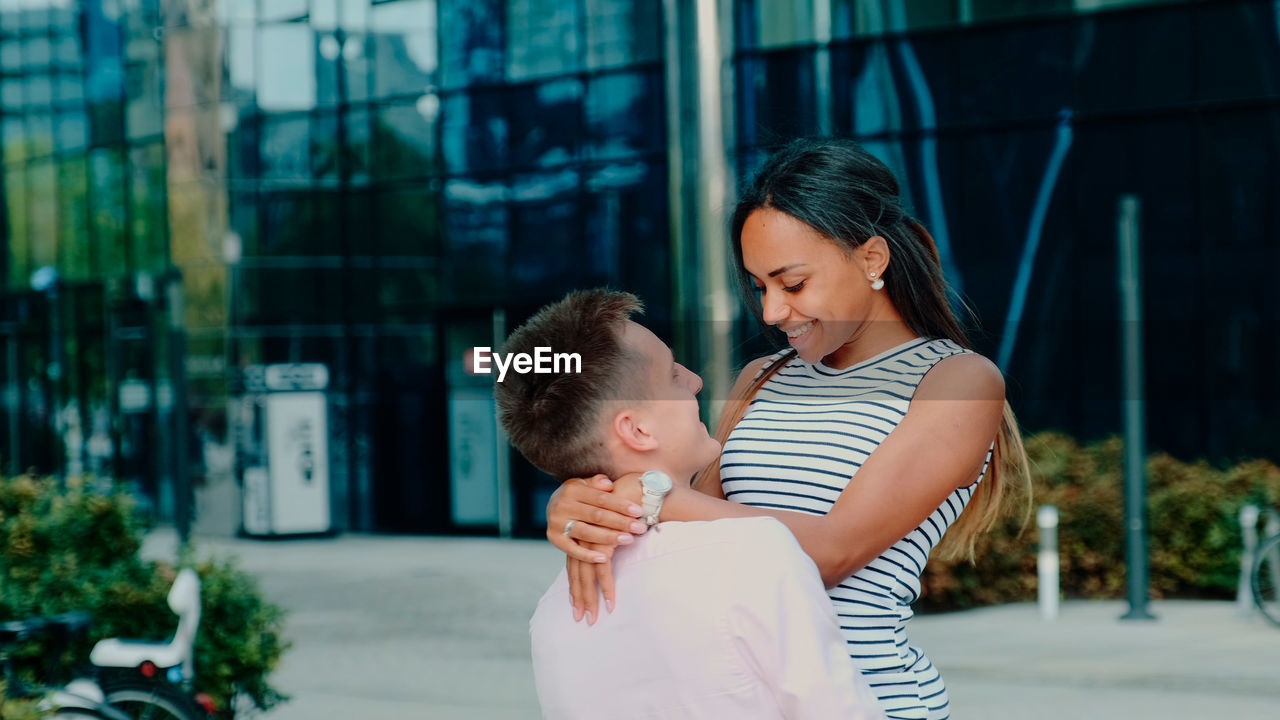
x=1047, y=562
x=1249, y=532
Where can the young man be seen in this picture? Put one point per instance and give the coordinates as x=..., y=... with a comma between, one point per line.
x=724, y=619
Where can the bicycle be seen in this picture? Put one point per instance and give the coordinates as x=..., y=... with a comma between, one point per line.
x=126, y=679
x=152, y=680
x=80, y=699
x=1265, y=578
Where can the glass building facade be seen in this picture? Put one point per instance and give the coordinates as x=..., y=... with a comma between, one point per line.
x=379, y=185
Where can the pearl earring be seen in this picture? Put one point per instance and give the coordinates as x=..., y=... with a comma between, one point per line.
x=878, y=284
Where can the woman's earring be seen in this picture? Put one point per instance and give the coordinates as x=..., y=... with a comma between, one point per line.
x=878, y=283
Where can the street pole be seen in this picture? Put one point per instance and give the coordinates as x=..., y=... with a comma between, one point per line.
x=182, y=498
x=1134, y=407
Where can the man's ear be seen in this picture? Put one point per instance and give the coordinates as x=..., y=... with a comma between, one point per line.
x=631, y=428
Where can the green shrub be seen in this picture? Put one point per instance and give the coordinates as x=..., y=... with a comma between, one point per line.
x=1193, y=522
x=76, y=548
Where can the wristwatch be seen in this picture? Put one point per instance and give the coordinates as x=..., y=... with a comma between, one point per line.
x=655, y=484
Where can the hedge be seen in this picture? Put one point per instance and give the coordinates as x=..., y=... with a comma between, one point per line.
x=76, y=547
x=1193, y=522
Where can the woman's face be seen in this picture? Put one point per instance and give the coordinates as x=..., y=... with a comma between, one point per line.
x=809, y=287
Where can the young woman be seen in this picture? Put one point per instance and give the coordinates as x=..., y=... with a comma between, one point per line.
x=874, y=435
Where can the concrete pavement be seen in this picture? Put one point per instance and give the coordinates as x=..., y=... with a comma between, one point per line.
x=422, y=627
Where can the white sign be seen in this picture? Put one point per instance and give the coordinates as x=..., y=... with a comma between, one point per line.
x=298, y=462
x=473, y=468
x=134, y=395
x=257, y=501
x=297, y=376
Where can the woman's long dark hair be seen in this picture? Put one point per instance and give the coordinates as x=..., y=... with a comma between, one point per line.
x=847, y=195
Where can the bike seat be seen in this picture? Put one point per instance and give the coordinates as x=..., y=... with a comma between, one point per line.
x=121, y=653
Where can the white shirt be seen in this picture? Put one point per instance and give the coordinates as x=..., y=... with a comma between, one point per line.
x=715, y=620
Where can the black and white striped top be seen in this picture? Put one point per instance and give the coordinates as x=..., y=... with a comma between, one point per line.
x=801, y=442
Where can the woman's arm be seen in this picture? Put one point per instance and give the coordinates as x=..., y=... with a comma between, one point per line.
x=708, y=481
x=940, y=445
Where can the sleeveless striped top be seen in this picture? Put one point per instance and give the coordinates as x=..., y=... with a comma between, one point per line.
x=801, y=441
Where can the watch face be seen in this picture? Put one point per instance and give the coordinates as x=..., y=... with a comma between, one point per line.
x=656, y=481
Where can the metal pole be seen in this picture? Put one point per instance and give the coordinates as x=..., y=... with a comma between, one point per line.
x=697, y=79
x=1047, y=562
x=182, y=498
x=1249, y=534
x=505, y=520
x=1134, y=407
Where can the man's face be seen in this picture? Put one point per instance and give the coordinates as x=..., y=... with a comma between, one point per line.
x=669, y=403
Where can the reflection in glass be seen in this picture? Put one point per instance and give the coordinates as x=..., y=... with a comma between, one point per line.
x=287, y=79
x=286, y=153
x=542, y=38
x=473, y=130
x=622, y=32
x=622, y=117
x=471, y=42
x=404, y=140
x=548, y=128
x=403, y=64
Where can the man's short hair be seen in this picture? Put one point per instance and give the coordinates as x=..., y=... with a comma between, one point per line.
x=553, y=418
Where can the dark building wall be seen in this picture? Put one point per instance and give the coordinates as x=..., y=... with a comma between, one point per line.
x=1177, y=103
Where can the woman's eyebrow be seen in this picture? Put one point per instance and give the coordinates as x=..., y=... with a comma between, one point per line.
x=781, y=270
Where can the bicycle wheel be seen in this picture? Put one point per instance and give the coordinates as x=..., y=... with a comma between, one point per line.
x=1266, y=579
x=153, y=701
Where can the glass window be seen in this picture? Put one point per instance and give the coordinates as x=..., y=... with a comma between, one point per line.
x=283, y=10
x=37, y=53
x=403, y=64
x=474, y=131
x=776, y=96
x=74, y=256
x=68, y=88
x=16, y=215
x=324, y=14
x=39, y=90
x=542, y=38
x=288, y=296
x=404, y=139
x=66, y=52
x=356, y=149
x=547, y=129
x=106, y=183
x=1115, y=72
x=241, y=59
x=10, y=55
x=408, y=222
x=471, y=42
x=625, y=115
x=242, y=148
x=288, y=227
x=144, y=110
x=42, y=206
x=73, y=131
x=392, y=16
x=286, y=150
x=12, y=88
x=324, y=150
x=287, y=70
x=547, y=232
x=622, y=32
x=147, y=206
x=13, y=134
x=40, y=140
x=477, y=232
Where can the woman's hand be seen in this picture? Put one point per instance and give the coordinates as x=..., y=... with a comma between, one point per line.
x=599, y=518
x=587, y=582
